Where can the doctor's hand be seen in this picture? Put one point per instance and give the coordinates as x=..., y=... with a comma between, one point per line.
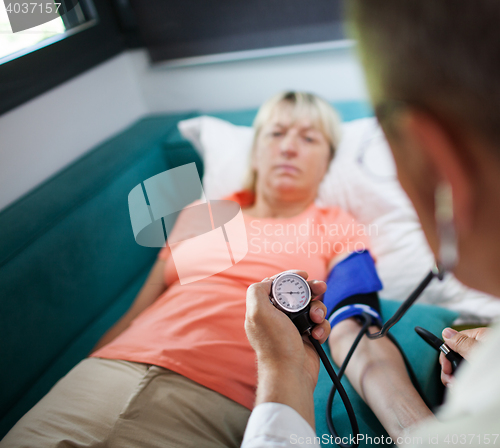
x=463, y=342
x=287, y=363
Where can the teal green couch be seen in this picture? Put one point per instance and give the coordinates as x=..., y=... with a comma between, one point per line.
x=69, y=264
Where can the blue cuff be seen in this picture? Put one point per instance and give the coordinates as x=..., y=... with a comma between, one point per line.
x=352, y=311
x=352, y=288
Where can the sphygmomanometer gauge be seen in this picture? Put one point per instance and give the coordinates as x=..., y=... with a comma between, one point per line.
x=290, y=293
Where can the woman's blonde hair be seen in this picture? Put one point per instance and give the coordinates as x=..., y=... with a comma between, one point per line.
x=302, y=104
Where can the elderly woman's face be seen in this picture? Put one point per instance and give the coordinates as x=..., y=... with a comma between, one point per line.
x=290, y=156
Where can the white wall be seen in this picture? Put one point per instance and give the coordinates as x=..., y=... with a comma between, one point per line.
x=42, y=136
x=335, y=74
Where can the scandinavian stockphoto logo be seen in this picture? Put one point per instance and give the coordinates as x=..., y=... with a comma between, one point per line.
x=28, y=14
x=208, y=236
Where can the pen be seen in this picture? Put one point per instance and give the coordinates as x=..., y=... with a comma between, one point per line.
x=439, y=345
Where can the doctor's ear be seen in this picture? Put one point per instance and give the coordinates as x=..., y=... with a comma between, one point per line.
x=443, y=159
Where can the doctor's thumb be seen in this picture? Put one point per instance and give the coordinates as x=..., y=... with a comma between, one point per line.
x=459, y=342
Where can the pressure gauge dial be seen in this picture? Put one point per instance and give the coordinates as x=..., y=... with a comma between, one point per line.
x=290, y=293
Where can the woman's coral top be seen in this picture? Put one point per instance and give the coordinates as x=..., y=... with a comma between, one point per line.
x=197, y=329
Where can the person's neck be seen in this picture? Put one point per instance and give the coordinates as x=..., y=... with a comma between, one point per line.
x=270, y=206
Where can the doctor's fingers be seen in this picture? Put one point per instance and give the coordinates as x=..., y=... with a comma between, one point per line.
x=318, y=288
x=446, y=370
x=317, y=311
x=258, y=298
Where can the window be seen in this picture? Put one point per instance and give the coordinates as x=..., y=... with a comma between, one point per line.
x=13, y=45
x=90, y=36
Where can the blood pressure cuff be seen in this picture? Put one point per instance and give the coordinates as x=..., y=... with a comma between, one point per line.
x=352, y=289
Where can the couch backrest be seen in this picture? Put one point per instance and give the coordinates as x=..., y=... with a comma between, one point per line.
x=67, y=251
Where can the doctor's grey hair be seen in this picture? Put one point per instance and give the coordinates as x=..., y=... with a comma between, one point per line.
x=440, y=55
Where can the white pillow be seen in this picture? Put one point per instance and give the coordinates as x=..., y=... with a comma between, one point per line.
x=361, y=180
x=225, y=150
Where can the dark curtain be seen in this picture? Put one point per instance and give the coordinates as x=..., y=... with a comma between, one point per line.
x=173, y=29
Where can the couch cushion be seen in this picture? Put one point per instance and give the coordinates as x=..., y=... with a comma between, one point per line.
x=72, y=354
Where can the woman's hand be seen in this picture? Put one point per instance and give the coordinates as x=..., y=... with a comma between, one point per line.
x=288, y=365
x=463, y=343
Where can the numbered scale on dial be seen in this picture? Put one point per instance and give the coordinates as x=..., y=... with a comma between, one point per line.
x=290, y=292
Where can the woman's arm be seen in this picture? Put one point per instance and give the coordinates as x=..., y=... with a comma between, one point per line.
x=378, y=374
x=336, y=260
x=151, y=290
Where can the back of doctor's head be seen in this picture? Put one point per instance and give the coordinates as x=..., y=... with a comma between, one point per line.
x=443, y=55
x=300, y=105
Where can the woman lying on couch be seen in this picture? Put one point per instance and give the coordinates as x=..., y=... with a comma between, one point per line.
x=177, y=369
